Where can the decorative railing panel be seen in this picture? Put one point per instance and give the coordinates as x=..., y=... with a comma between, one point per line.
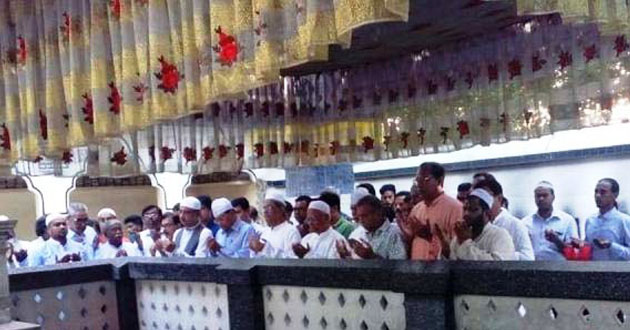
x=294, y=307
x=174, y=305
x=78, y=306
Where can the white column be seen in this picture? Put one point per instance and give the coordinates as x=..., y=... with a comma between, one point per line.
x=173, y=186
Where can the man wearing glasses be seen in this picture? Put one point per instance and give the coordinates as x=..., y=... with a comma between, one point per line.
x=152, y=221
x=79, y=231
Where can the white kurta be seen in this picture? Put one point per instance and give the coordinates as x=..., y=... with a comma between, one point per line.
x=323, y=246
x=52, y=251
x=147, y=242
x=108, y=251
x=278, y=241
x=494, y=243
x=202, y=250
x=519, y=233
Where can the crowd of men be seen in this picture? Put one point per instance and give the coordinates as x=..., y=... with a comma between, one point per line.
x=421, y=224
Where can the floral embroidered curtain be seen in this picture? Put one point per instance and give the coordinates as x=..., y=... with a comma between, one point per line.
x=79, y=72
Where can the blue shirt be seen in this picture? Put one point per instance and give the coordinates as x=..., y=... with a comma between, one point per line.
x=214, y=227
x=560, y=222
x=613, y=226
x=234, y=241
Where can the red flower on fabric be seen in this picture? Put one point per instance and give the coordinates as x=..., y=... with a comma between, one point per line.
x=88, y=109
x=421, y=134
x=259, y=149
x=227, y=48
x=493, y=73
x=404, y=139
x=223, y=151
x=168, y=75
x=22, y=51
x=5, y=137
x=287, y=148
x=462, y=128
x=140, y=89
x=273, y=148
x=537, y=62
x=565, y=59
x=249, y=109
x=207, y=153
x=334, y=147
x=444, y=134
x=240, y=151
x=304, y=145
x=432, y=87
x=114, y=99
x=166, y=153
x=69, y=26
x=514, y=68
x=450, y=83
x=116, y=7
x=190, y=154
x=43, y=125
x=621, y=45
x=152, y=153
x=67, y=156
x=119, y=157
x=386, y=141
x=590, y=53
x=368, y=143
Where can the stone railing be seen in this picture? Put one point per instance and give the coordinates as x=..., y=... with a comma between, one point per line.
x=307, y=294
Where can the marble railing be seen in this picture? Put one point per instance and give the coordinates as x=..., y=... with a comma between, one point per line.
x=174, y=294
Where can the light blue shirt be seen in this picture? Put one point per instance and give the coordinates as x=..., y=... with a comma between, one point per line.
x=561, y=223
x=613, y=226
x=234, y=241
x=86, y=239
x=52, y=251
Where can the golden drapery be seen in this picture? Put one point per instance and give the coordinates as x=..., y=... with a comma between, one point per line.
x=80, y=72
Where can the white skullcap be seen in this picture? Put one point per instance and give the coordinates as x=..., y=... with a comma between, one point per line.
x=104, y=213
x=4, y=218
x=275, y=196
x=220, y=206
x=190, y=203
x=544, y=184
x=54, y=217
x=483, y=195
x=320, y=206
x=357, y=195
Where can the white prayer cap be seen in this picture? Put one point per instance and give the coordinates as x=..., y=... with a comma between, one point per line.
x=54, y=217
x=357, y=195
x=275, y=196
x=320, y=206
x=220, y=206
x=483, y=195
x=106, y=212
x=4, y=218
x=544, y=184
x=190, y=203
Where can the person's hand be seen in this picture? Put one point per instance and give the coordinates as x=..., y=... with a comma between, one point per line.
x=153, y=250
x=363, y=249
x=446, y=247
x=554, y=238
x=342, y=249
x=155, y=235
x=75, y=257
x=255, y=244
x=20, y=255
x=213, y=245
x=602, y=243
x=577, y=243
x=300, y=250
x=169, y=246
x=463, y=232
x=67, y=258
x=121, y=253
x=422, y=230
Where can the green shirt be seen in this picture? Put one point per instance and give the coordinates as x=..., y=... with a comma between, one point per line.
x=344, y=227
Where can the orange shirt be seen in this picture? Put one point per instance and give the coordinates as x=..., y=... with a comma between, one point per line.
x=444, y=211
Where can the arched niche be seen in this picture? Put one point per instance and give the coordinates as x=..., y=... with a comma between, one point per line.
x=229, y=185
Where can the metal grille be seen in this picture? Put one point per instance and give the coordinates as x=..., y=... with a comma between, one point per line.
x=171, y=305
x=79, y=306
x=486, y=312
x=290, y=307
